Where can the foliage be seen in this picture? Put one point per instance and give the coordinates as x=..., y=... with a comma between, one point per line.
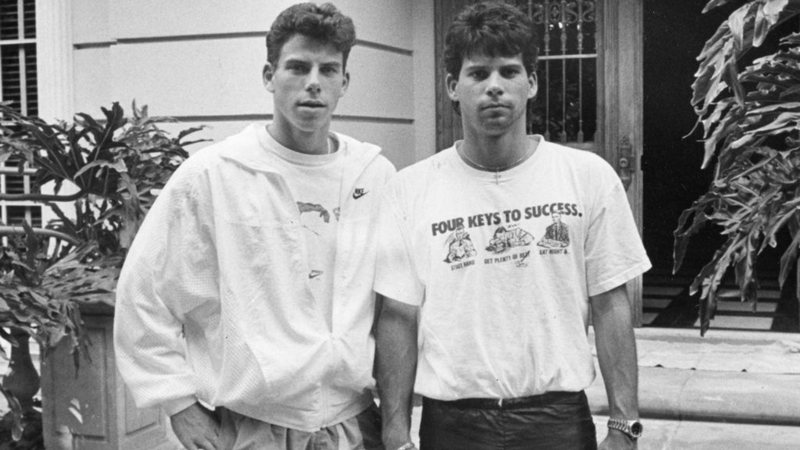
x=110, y=171
x=30, y=437
x=751, y=118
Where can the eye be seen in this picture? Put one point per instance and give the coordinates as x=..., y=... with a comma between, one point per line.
x=329, y=70
x=510, y=72
x=296, y=67
x=479, y=74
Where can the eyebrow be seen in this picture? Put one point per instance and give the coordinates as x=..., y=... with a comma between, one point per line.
x=306, y=62
x=486, y=66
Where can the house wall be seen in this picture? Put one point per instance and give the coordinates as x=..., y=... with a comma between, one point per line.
x=200, y=61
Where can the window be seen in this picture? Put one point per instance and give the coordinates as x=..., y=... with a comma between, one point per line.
x=18, y=80
x=566, y=109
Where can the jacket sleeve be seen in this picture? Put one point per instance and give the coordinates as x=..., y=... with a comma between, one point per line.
x=169, y=273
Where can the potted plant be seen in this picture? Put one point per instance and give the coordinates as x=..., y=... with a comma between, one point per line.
x=109, y=171
x=750, y=115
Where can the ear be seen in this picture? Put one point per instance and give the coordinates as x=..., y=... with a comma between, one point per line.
x=345, y=82
x=534, y=85
x=266, y=77
x=450, y=83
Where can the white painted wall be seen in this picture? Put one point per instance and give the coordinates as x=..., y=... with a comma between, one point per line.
x=200, y=61
x=422, y=24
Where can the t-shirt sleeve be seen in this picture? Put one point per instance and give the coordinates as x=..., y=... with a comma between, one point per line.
x=395, y=274
x=614, y=250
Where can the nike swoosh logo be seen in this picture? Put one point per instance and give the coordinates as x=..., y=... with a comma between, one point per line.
x=358, y=193
x=314, y=274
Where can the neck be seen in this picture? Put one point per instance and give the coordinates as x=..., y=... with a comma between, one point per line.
x=308, y=142
x=495, y=151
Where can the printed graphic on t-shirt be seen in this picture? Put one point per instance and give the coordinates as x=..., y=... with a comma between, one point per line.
x=459, y=246
x=509, y=237
x=556, y=235
x=313, y=208
x=470, y=239
x=314, y=219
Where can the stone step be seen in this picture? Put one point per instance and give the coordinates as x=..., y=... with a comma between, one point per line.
x=741, y=377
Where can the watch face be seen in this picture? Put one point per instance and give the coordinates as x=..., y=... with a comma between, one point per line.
x=636, y=428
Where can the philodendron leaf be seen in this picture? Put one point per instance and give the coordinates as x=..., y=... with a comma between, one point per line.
x=788, y=259
x=736, y=24
x=715, y=4
x=768, y=15
x=118, y=165
x=791, y=40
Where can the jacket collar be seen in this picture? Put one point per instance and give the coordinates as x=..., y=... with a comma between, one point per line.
x=247, y=148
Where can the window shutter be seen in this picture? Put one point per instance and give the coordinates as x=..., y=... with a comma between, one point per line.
x=18, y=79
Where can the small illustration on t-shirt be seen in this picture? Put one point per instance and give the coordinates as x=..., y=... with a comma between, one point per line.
x=313, y=207
x=556, y=234
x=315, y=220
x=509, y=237
x=459, y=246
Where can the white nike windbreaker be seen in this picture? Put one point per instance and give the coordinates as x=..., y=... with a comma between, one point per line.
x=214, y=303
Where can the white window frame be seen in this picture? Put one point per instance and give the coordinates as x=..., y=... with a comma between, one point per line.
x=5, y=172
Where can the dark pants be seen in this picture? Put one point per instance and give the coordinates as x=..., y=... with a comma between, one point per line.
x=551, y=421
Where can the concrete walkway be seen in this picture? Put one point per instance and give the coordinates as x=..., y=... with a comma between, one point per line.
x=728, y=390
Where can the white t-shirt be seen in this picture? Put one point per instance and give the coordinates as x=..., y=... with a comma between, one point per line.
x=503, y=267
x=316, y=183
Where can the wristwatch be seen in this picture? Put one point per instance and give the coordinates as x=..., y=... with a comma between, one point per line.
x=633, y=428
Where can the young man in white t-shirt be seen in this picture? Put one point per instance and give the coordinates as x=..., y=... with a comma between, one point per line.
x=245, y=306
x=491, y=255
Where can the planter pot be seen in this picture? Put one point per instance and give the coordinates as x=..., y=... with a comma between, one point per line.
x=92, y=408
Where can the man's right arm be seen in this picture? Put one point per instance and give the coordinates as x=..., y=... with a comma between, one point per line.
x=167, y=272
x=396, y=358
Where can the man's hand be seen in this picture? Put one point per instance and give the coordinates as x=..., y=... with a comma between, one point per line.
x=196, y=428
x=396, y=439
x=396, y=367
x=617, y=440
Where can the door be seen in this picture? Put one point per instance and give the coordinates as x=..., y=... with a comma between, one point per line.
x=590, y=85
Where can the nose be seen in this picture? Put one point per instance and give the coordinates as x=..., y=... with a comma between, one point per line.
x=312, y=82
x=493, y=86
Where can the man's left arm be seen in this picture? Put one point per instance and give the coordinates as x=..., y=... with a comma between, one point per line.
x=616, y=353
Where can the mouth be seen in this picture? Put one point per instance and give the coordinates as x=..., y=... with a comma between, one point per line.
x=493, y=106
x=311, y=104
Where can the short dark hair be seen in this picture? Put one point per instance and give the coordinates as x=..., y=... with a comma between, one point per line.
x=492, y=28
x=324, y=23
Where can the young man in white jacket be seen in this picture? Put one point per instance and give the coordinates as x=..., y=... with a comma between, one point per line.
x=245, y=305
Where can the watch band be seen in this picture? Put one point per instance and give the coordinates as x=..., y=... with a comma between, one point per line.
x=632, y=428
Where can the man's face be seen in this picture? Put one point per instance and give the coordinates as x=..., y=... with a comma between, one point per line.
x=306, y=83
x=493, y=92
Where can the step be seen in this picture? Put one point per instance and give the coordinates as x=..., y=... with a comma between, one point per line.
x=742, y=377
